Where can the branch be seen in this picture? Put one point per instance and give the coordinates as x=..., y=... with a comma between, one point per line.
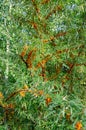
x=15, y=93
x=57, y=8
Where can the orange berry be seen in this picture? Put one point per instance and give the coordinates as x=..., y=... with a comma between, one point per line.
x=22, y=93
x=1, y=96
x=48, y=100
x=78, y=126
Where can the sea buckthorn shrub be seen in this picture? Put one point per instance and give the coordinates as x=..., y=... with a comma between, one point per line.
x=43, y=65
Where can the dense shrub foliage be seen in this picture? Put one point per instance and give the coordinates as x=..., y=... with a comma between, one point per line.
x=43, y=65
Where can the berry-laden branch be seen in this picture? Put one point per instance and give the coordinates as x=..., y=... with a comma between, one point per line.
x=35, y=6
x=42, y=64
x=45, y=1
x=54, y=10
x=31, y=56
